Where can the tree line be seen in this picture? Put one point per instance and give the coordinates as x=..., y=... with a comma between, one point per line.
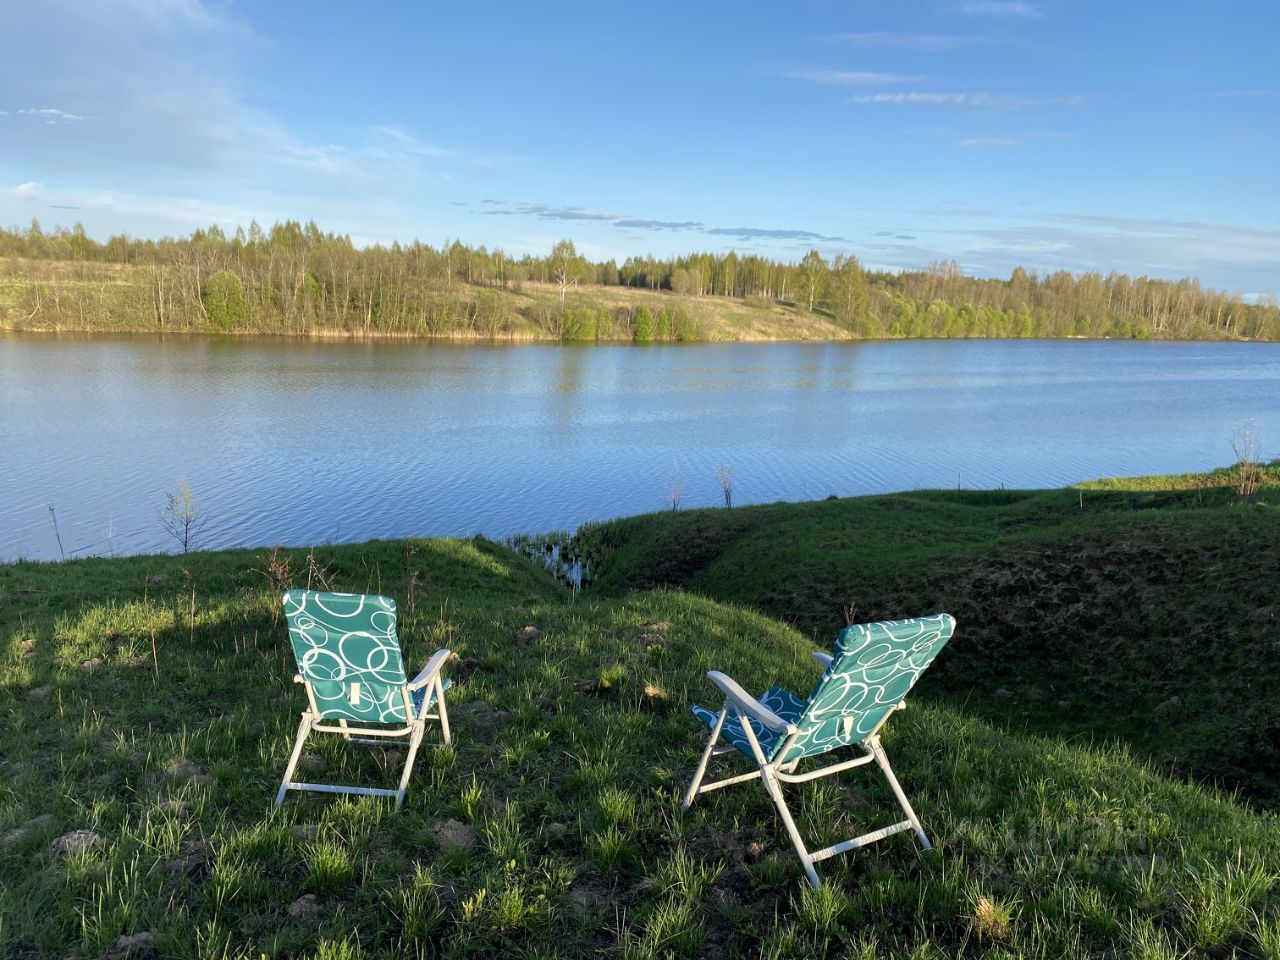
x=294, y=278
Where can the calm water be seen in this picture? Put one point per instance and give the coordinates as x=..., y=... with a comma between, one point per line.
x=299, y=443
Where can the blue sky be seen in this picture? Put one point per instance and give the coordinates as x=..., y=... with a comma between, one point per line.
x=1059, y=135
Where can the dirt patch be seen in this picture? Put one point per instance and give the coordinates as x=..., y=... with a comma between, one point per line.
x=183, y=770
x=138, y=946
x=76, y=842
x=528, y=634
x=454, y=835
x=15, y=836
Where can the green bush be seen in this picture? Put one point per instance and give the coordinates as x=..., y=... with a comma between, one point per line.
x=223, y=298
x=643, y=325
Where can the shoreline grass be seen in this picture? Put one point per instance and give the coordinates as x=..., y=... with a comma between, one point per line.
x=136, y=780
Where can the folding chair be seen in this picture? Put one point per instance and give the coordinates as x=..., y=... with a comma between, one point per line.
x=874, y=666
x=349, y=662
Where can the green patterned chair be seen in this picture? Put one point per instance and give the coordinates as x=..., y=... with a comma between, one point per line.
x=349, y=662
x=874, y=666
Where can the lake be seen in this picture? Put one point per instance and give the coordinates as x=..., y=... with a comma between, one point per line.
x=300, y=442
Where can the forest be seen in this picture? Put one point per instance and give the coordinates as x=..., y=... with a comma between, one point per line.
x=296, y=279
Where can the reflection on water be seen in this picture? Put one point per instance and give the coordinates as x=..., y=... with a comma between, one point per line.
x=297, y=442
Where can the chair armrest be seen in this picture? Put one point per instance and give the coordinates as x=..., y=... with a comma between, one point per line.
x=430, y=670
x=749, y=705
x=297, y=678
x=823, y=658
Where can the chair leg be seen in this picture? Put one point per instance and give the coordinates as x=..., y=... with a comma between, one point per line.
x=702, y=764
x=304, y=728
x=774, y=789
x=415, y=741
x=882, y=761
x=444, y=713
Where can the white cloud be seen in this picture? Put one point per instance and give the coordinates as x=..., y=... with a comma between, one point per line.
x=994, y=101
x=998, y=8
x=50, y=114
x=851, y=78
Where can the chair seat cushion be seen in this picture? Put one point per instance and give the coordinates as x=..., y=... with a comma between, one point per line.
x=428, y=691
x=782, y=702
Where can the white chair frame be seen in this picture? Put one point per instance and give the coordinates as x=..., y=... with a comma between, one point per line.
x=774, y=774
x=414, y=730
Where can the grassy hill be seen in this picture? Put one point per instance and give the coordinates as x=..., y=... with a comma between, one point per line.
x=157, y=716
x=92, y=297
x=1142, y=609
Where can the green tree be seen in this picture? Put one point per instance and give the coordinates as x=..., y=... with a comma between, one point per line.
x=813, y=279
x=223, y=298
x=662, y=326
x=566, y=265
x=643, y=324
x=848, y=292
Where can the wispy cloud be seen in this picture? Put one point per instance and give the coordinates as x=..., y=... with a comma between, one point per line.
x=543, y=211
x=983, y=101
x=989, y=142
x=766, y=233
x=50, y=115
x=998, y=8
x=634, y=224
x=411, y=144
x=851, y=78
x=887, y=40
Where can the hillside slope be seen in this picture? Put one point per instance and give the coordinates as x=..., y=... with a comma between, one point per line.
x=1145, y=615
x=156, y=714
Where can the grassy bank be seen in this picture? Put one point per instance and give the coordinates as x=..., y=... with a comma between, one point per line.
x=1143, y=609
x=161, y=724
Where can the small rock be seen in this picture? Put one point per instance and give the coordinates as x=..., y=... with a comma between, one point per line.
x=755, y=849
x=18, y=834
x=90, y=665
x=27, y=645
x=662, y=626
x=77, y=841
x=39, y=693
x=139, y=946
x=452, y=835
x=158, y=578
x=311, y=761
x=1004, y=693
x=184, y=771
x=305, y=907
x=527, y=634
x=556, y=829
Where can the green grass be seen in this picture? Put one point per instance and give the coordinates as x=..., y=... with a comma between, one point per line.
x=1140, y=612
x=566, y=773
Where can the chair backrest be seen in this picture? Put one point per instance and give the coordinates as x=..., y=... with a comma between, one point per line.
x=874, y=666
x=348, y=654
